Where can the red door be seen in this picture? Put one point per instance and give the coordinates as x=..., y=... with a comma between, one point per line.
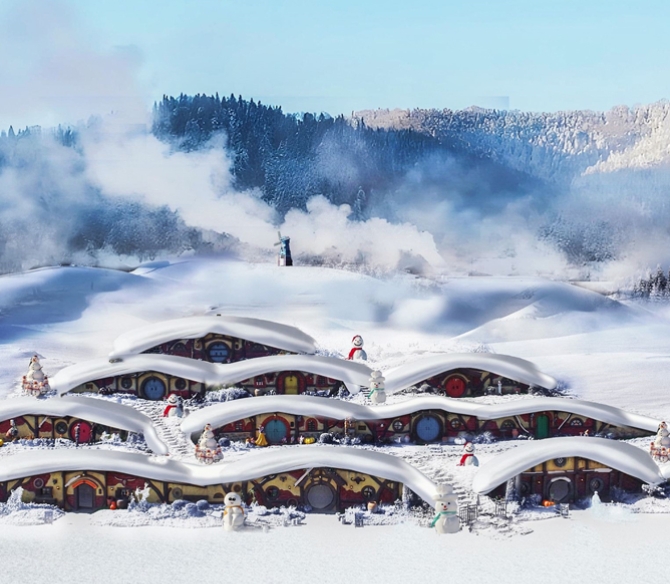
x=455, y=386
x=81, y=432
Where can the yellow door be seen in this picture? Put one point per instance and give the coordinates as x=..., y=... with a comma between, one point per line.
x=291, y=385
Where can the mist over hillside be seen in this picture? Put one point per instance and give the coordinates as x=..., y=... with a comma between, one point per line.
x=571, y=194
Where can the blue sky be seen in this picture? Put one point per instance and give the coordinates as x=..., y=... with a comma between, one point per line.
x=346, y=55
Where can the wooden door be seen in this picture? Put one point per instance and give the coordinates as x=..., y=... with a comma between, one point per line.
x=291, y=385
x=85, y=497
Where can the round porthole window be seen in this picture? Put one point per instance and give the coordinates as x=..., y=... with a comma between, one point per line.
x=368, y=493
x=596, y=484
x=180, y=384
x=38, y=483
x=126, y=382
x=560, y=462
x=455, y=423
x=61, y=427
x=272, y=493
x=398, y=426
x=177, y=493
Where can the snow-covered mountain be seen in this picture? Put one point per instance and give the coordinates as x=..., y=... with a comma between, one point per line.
x=552, y=146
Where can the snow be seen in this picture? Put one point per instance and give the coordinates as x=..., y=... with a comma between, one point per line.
x=302, y=405
x=352, y=374
x=264, y=332
x=511, y=367
x=105, y=412
x=258, y=465
x=598, y=349
x=621, y=456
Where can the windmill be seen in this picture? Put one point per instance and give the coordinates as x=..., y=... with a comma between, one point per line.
x=284, y=258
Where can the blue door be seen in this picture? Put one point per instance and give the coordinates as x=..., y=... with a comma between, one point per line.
x=153, y=388
x=218, y=353
x=275, y=431
x=428, y=428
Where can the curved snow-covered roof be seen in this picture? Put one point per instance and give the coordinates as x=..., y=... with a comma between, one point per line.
x=264, y=332
x=98, y=411
x=621, y=456
x=251, y=466
x=353, y=374
x=514, y=368
x=303, y=405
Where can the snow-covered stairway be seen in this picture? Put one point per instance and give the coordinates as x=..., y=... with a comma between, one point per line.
x=167, y=429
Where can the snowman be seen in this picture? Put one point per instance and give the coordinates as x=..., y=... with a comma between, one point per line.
x=662, y=437
x=469, y=458
x=35, y=382
x=233, y=514
x=208, y=450
x=376, y=391
x=446, y=510
x=357, y=352
x=175, y=407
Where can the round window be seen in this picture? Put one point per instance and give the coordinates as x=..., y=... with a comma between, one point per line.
x=508, y=425
x=455, y=423
x=38, y=483
x=368, y=493
x=176, y=493
x=180, y=383
x=560, y=462
x=398, y=425
x=126, y=382
x=61, y=427
x=596, y=484
x=576, y=422
x=272, y=493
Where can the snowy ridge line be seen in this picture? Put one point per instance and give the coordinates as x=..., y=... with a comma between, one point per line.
x=253, y=466
x=303, y=405
x=510, y=367
x=354, y=375
x=103, y=412
x=264, y=332
x=621, y=456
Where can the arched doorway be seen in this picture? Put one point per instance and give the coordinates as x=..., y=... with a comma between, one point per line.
x=560, y=490
x=428, y=428
x=276, y=430
x=84, y=497
x=321, y=497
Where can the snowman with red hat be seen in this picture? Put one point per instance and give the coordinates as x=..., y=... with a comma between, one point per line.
x=469, y=458
x=357, y=352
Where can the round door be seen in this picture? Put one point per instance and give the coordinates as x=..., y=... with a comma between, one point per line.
x=559, y=490
x=153, y=388
x=81, y=432
x=321, y=497
x=428, y=428
x=218, y=353
x=455, y=386
x=275, y=431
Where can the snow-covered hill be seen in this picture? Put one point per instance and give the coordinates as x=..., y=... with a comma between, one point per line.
x=553, y=146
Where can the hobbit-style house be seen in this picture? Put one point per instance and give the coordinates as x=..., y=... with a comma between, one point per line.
x=422, y=420
x=79, y=419
x=154, y=377
x=468, y=375
x=323, y=479
x=567, y=470
x=217, y=339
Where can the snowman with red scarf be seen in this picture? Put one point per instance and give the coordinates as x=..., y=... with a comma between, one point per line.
x=469, y=458
x=357, y=352
x=175, y=407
